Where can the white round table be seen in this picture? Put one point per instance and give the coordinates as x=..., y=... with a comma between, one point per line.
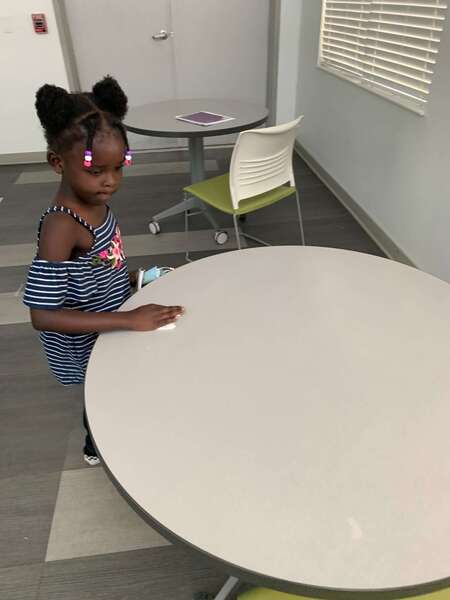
x=295, y=424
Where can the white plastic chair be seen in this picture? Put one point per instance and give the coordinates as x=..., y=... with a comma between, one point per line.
x=261, y=165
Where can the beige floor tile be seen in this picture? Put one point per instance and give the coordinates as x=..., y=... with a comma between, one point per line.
x=92, y=518
x=12, y=309
x=201, y=240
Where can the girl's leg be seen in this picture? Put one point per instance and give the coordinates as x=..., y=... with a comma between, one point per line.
x=90, y=455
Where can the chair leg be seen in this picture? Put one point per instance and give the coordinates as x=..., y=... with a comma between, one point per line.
x=236, y=230
x=230, y=586
x=244, y=235
x=247, y=236
x=300, y=220
x=228, y=590
x=186, y=231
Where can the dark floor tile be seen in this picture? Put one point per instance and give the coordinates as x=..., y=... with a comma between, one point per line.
x=343, y=233
x=140, y=198
x=320, y=203
x=21, y=351
x=37, y=391
x=32, y=167
x=8, y=175
x=20, y=583
x=317, y=205
x=21, y=210
x=161, y=260
x=286, y=234
x=138, y=202
x=27, y=503
x=141, y=158
x=11, y=170
x=167, y=260
x=211, y=153
x=37, y=415
x=135, y=203
x=167, y=573
x=338, y=232
x=36, y=412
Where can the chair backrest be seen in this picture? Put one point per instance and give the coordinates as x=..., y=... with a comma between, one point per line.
x=262, y=160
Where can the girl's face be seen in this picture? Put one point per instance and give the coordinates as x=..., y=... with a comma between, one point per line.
x=94, y=185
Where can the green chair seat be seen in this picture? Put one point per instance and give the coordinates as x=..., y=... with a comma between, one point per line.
x=261, y=159
x=216, y=192
x=266, y=594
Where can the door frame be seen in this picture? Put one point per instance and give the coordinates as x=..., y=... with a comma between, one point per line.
x=66, y=45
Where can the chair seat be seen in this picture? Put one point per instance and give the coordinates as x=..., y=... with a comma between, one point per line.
x=266, y=594
x=216, y=192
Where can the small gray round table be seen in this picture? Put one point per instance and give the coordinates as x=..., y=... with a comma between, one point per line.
x=158, y=119
x=295, y=424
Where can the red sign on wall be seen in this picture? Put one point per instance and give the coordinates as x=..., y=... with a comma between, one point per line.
x=39, y=23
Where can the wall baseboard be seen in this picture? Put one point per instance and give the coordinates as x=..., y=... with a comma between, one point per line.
x=372, y=229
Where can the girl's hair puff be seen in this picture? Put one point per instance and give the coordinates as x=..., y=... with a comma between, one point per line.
x=68, y=118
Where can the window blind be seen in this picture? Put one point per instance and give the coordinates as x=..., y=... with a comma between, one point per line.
x=388, y=47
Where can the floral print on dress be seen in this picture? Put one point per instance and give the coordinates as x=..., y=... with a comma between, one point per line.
x=114, y=256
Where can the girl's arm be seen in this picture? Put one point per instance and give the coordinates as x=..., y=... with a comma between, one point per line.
x=59, y=238
x=143, y=318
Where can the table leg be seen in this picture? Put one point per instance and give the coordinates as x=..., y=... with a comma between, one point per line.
x=197, y=160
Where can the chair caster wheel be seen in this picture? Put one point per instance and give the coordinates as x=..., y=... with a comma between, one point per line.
x=154, y=227
x=221, y=237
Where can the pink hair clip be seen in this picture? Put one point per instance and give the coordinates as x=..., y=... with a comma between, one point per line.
x=128, y=158
x=87, y=159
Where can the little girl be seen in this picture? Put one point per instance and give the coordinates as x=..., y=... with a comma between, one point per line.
x=79, y=277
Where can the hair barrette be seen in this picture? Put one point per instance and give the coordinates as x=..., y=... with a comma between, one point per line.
x=87, y=158
x=128, y=158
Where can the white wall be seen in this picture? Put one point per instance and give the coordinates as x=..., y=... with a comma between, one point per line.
x=27, y=60
x=392, y=162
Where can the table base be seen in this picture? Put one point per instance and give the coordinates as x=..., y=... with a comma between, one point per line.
x=197, y=159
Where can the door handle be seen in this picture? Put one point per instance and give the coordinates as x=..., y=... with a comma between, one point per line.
x=162, y=35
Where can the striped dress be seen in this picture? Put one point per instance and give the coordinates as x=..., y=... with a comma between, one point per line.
x=96, y=281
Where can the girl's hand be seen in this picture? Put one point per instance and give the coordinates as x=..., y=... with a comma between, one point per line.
x=153, y=316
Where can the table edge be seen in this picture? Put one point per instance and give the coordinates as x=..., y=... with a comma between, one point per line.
x=202, y=132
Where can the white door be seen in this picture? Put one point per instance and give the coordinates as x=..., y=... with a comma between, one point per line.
x=218, y=50
x=115, y=37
